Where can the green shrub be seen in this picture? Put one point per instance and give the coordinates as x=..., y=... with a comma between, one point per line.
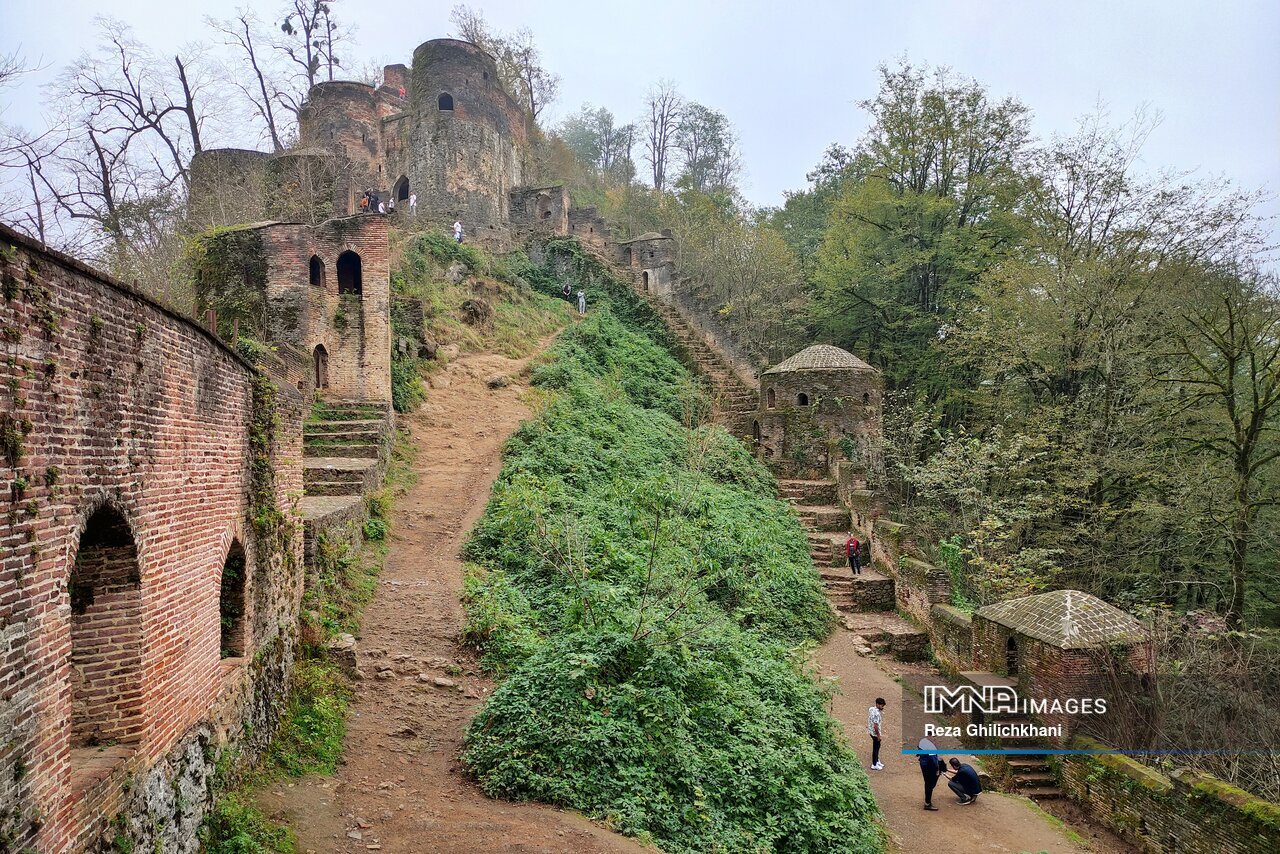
x=236, y=827
x=649, y=602
x=375, y=530
x=314, y=723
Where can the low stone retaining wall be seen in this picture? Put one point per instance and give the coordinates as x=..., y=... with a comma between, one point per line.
x=1187, y=812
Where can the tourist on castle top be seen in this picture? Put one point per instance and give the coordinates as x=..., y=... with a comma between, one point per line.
x=964, y=782
x=875, y=717
x=364, y=203
x=457, y=230
x=931, y=765
x=413, y=203
x=391, y=204
x=853, y=549
x=582, y=302
x=402, y=93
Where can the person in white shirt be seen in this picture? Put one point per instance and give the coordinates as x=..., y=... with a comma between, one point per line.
x=875, y=718
x=413, y=203
x=582, y=302
x=382, y=207
x=457, y=230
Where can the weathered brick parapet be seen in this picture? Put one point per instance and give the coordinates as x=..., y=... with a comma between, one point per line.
x=1186, y=811
x=129, y=436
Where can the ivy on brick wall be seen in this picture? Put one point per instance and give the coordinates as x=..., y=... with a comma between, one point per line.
x=228, y=271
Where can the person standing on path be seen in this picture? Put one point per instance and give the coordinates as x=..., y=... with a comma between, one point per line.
x=853, y=550
x=582, y=303
x=964, y=782
x=875, y=717
x=931, y=765
x=413, y=204
x=457, y=230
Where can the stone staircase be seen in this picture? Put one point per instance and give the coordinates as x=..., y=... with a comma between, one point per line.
x=734, y=397
x=345, y=450
x=866, y=600
x=1029, y=773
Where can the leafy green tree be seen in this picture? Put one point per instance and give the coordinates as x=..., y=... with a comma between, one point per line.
x=708, y=148
x=926, y=208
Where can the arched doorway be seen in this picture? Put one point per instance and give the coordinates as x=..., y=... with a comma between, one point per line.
x=1011, y=656
x=231, y=608
x=400, y=191
x=755, y=432
x=315, y=271
x=445, y=102
x=320, y=360
x=349, y=273
x=802, y=399
x=105, y=589
x=645, y=279
x=770, y=399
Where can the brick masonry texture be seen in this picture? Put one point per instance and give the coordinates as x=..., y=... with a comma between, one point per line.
x=127, y=426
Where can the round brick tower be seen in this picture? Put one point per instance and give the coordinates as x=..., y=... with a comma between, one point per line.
x=343, y=117
x=466, y=137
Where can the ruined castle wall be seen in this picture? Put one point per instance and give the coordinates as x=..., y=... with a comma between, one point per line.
x=117, y=408
x=228, y=186
x=353, y=329
x=540, y=211
x=589, y=227
x=343, y=117
x=463, y=162
x=803, y=437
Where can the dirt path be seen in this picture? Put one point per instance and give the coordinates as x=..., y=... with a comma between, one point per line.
x=996, y=823
x=401, y=788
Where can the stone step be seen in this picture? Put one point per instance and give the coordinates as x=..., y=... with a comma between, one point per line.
x=1034, y=779
x=1052, y=793
x=361, y=450
x=343, y=424
x=889, y=633
x=348, y=412
x=811, y=492
x=337, y=470
x=343, y=436
x=821, y=518
x=866, y=591
x=334, y=487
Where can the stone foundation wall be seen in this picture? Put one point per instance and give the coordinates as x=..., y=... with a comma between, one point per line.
x=116, y=408
x=951, y=634
x=1187, y=812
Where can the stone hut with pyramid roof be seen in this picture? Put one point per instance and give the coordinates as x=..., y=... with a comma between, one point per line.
x=1061, y=645
x=818, y=407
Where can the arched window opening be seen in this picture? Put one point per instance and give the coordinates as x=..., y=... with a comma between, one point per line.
x=770, y=400
x=626, y=256
x=349, y=280
x=650, y=254
x=315, y=271
x=105, y=589
x=445, y=101
x=755, y=432
x=1011, y=656
x=320, y=358
x=645, y=277
x=401, y=189
x=231, y=603
x=802, y=399
x=866, y=398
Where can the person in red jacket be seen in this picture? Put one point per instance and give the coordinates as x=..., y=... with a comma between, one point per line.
x=853, y=549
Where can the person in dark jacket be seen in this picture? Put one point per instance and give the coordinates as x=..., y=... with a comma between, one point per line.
x=964, y=782
x=931, y=765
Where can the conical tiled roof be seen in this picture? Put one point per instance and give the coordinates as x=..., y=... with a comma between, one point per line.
x=1067, y=619
x=820, y=357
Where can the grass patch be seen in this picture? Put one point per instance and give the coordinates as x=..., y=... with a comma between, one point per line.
x=235, y=826
x=650, y=605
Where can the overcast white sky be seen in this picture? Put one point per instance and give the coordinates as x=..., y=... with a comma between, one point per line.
x=789, y=74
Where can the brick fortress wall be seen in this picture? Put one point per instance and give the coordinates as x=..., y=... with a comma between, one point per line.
x=127, y=433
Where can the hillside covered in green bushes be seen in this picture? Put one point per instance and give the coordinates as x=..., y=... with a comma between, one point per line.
x=648, y=602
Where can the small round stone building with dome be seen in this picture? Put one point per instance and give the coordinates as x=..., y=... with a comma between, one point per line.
x=820, y=406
